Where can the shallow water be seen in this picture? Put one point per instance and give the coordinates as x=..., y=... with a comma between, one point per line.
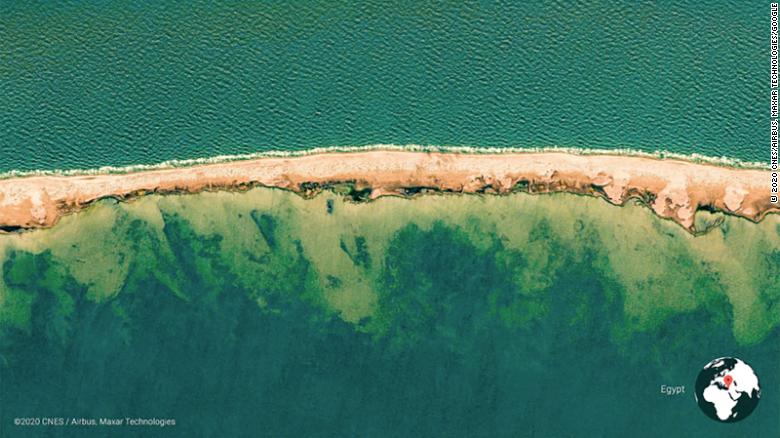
x=252, y=313
x=117, y=84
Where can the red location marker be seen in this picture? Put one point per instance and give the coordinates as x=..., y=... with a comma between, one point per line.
x=727, y=380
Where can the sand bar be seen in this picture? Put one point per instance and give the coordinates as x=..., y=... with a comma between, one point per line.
x=673, y=189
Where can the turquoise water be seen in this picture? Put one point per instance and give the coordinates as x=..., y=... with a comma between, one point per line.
x=110, y=83
x=263, y=314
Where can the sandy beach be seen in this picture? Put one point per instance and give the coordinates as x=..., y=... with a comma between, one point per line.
x=673, y=189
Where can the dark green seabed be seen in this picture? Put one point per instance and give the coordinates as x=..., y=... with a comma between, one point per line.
x=264, y=314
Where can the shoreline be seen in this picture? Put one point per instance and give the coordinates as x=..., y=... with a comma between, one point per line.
x=190, y=162
x=672, y=188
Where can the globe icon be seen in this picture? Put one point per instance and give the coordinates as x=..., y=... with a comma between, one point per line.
x=727, y=390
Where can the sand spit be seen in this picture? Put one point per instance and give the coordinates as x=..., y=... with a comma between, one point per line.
x=673, y=189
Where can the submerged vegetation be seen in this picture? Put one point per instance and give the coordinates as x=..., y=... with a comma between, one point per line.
x=436, y=315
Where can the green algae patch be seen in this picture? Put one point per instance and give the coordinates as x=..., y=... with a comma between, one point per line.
x=526, y=301
x=264, y=238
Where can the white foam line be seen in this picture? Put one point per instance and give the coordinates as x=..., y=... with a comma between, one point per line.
x=696, y=158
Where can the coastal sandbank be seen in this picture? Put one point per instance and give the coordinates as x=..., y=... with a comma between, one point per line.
x=674, y=189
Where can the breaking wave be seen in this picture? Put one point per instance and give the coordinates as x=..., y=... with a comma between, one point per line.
x=696, y=158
